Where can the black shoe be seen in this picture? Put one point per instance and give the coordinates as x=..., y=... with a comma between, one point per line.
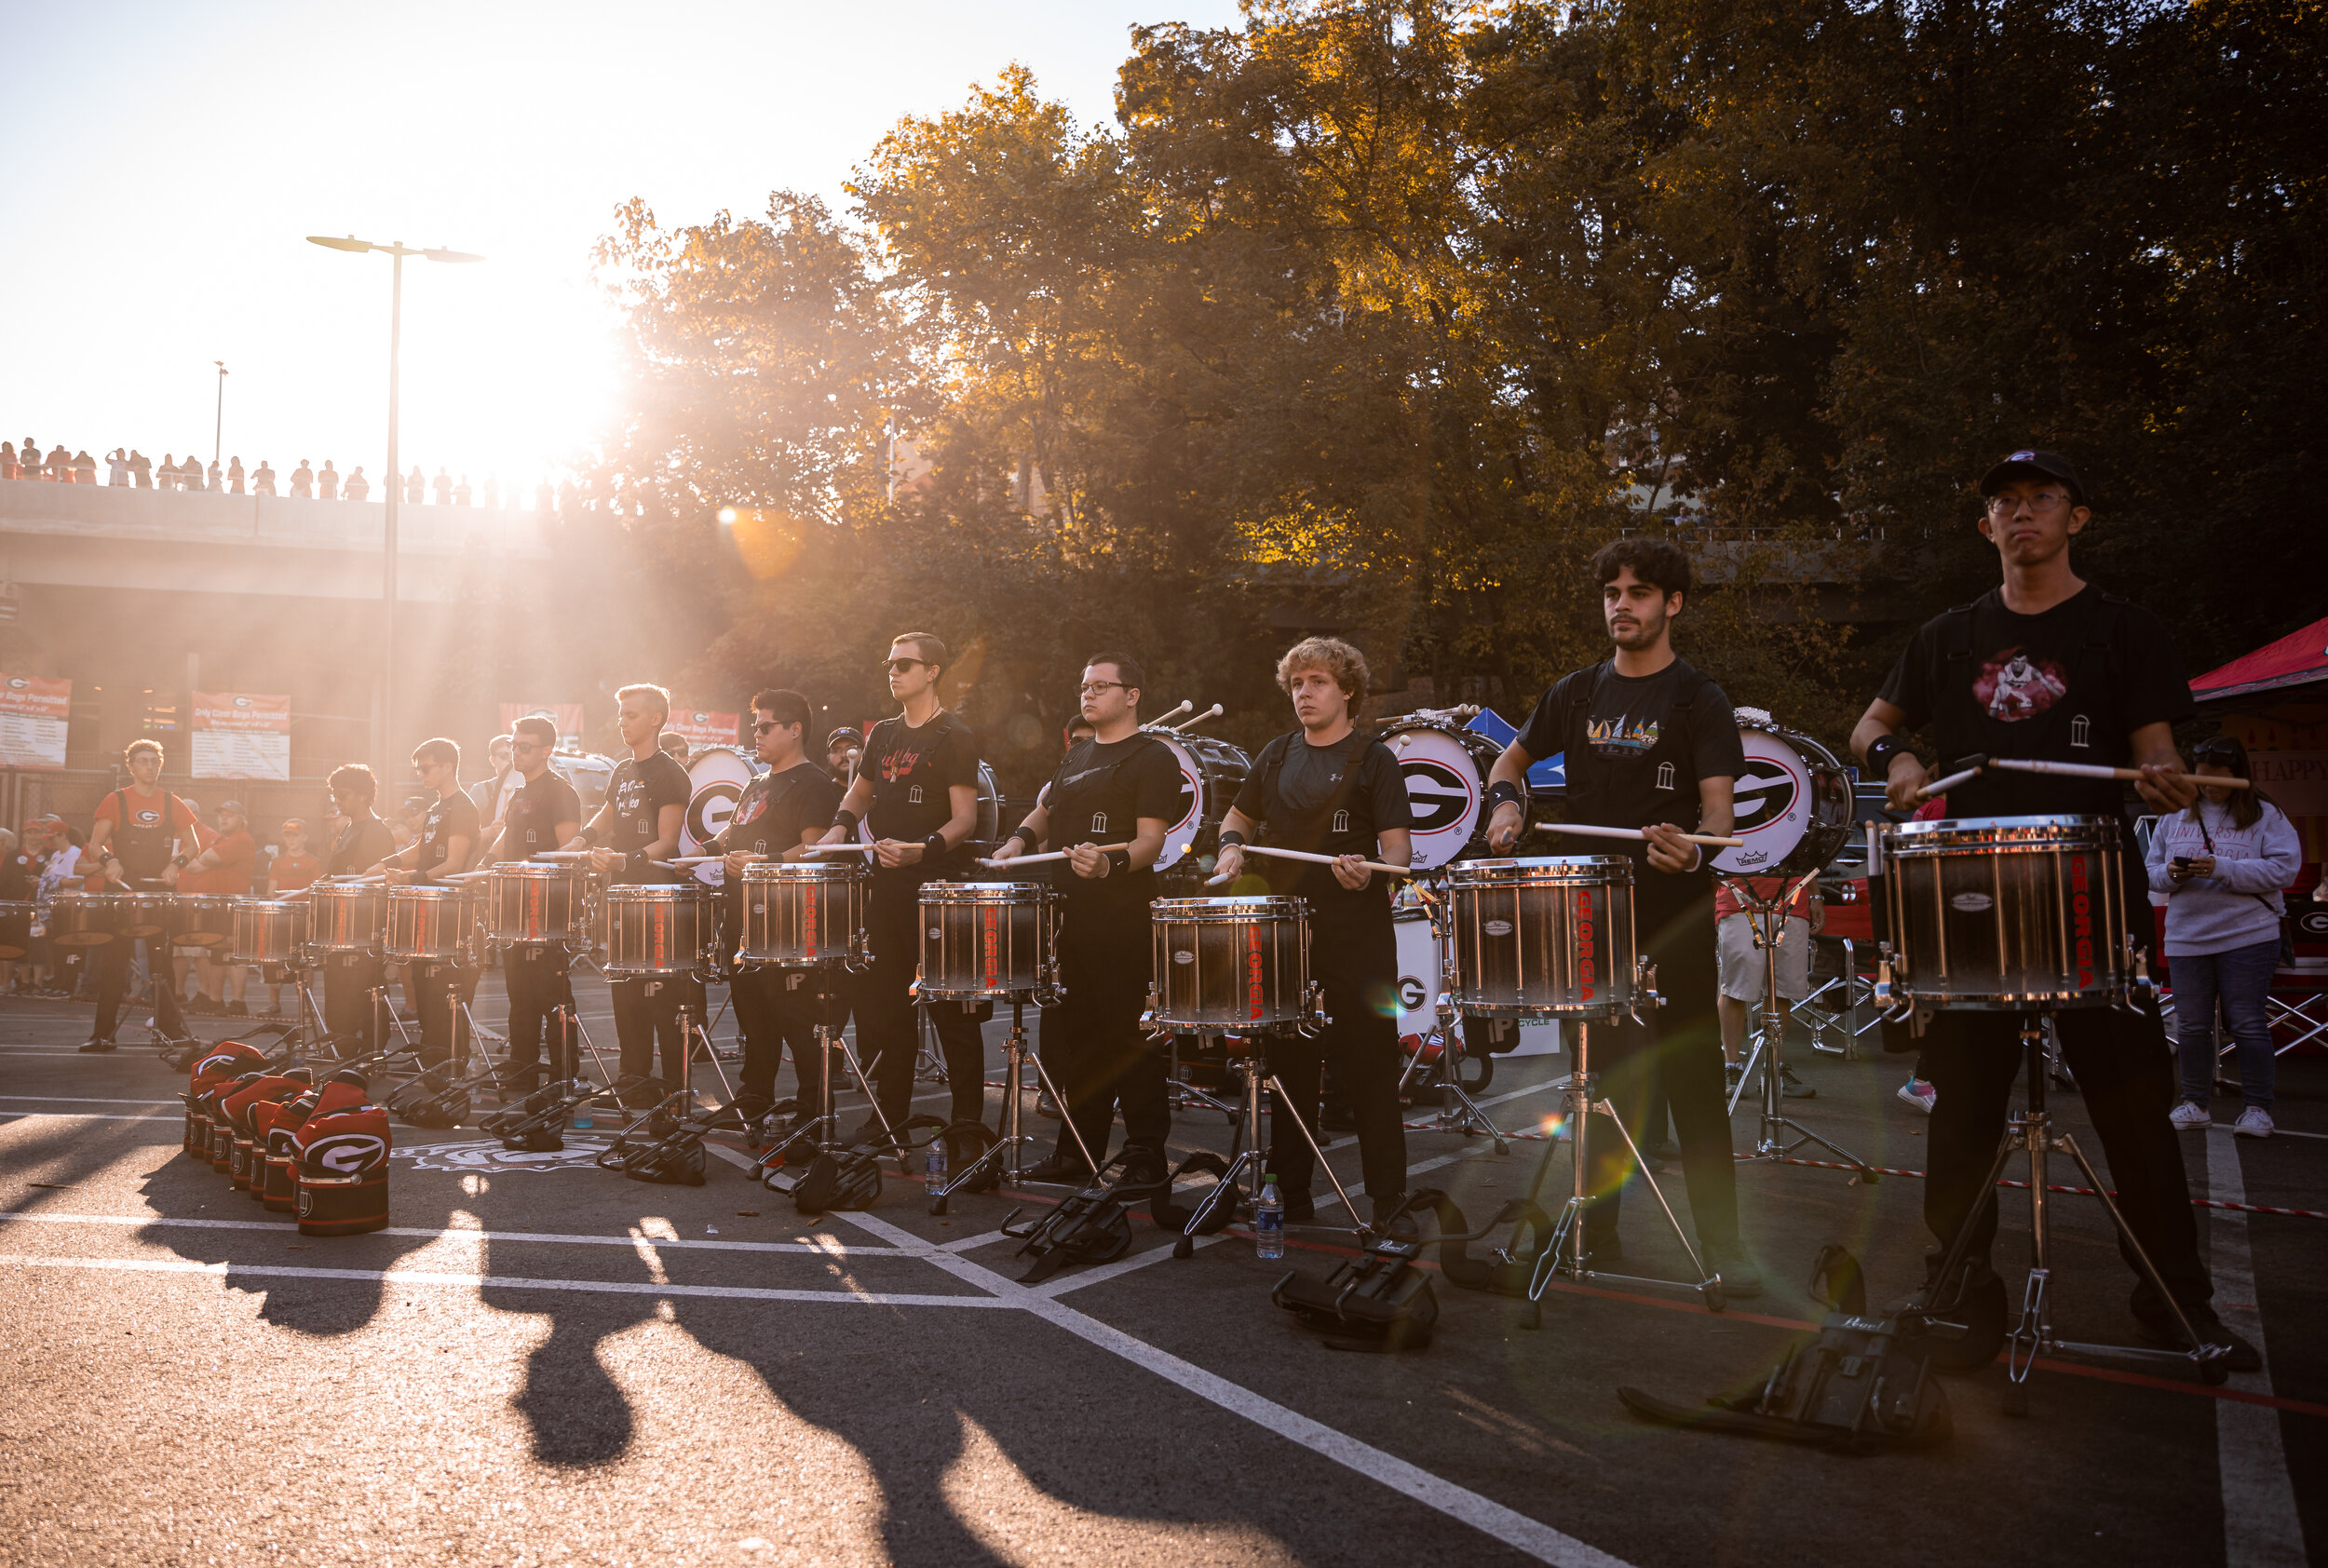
x=99, y=1044
x=1792, y=1088
x=2157, y=1326
x=1974, y=1304
x=1059, y=1170
x=1143, y=1166
x=1604, y=1249
x=870, y=1134
x=1664, y=1150
x=1300, y=1208
x=1045, y=1107
x=1740, y=1279
x=1402, y=1228
x=236, y=1010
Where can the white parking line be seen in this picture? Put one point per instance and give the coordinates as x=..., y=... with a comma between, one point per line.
x=826, y=1247
x=2260, y=1524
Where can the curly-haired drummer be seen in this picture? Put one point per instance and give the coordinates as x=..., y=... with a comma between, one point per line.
x=1328, y=788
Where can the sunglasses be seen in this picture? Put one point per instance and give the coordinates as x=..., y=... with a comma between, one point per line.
x=762, y=726
x=898, y=666
x=529, y=746
x=2216, y=752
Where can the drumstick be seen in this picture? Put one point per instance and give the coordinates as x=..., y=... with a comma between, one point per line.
x=2096, y=770
x=1212, y=712
x=1169, y=713
x=1590, y=829
x=837, y=850
x=1942, y=786
x=691, y=860
x=1318, y=860
x=1052, y=854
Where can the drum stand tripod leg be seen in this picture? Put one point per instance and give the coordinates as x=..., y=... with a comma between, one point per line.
x=1285, y=1107
x=1248, y=1157
x=1457, y=1111
x=1004, y=1155
x=1770, y=1142
x=690, y=1032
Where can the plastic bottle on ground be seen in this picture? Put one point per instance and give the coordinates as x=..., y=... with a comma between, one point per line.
x=1269, y=1220
x=934, y=1164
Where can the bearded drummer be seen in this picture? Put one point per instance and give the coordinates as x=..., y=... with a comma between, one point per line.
x=1651, y=743
x=1327, y=788
x=447, y=838
x=2049, y=667
x=638, y=825
x=541, y=813
x=788, y=806
x=1116, y=786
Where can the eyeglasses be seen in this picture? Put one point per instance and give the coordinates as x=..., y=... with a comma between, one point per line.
x=898, y=666
x=2043, y=501
x=1092, y=688
x=529, y=746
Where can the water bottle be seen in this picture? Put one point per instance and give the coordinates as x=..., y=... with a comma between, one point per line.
x=583, y=1120
x=1269, y=1220
x=934, y=1164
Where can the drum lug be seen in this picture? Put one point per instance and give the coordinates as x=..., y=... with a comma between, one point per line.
x=915, y=990
x=1644, y=983
x=1885, y=997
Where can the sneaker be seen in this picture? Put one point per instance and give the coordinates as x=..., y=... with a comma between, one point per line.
x=1792, y=1088
x=1919, y=1093
x=2189, y=1117
x=1731, y=1072
x=99, y=1045
x=236, y=1010
x=1059, y=1170
x=1045, y=1107
x=2254, y=1122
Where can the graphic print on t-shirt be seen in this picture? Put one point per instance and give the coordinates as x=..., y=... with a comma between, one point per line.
x=1623, y=735
x=2013, y=686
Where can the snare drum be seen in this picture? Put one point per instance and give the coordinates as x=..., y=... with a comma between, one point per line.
x=1544, y=938
x=801, y=915
x=83, y=919
x=2007, y=913
x=346, y=916
x=425, y=923
x=982, y=939
x=532, y=902
x=15, y=928
x=269, y=931
x=1794, y=806
x=202, y=919
x=1231, y=965
x=657, y=931
x=142, y=915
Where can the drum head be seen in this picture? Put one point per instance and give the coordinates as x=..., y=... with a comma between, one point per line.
x=1794, y=806
x=715, y=782
x=1446, y=783
x=1188, y=814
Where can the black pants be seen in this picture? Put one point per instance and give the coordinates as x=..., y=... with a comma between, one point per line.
x=1354, y=958
x=646, y=1013
x=1680, y=1050
x=538, y=986
x=435, y=991
x=349, y=978
x=777, y=1010
x=2126, y=1077
x=1093, y=1051
x=112, y=962
x=885, y=1010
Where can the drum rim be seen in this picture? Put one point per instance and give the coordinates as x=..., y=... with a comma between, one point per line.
x=802, y=870
x=535, y=870
x=1942, y=834
x=656, y=893
x=986, y=892
x=1223, y=906
x=1479, y=868
x=427, y=893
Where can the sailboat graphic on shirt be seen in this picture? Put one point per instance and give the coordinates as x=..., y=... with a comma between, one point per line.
x=1622, y=736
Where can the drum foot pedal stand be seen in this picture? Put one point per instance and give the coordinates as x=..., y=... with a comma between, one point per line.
x=1091, y=1226
x=2032, y=1133
x=666, y=1145
x=1457, y=1111
x=1002, y=1161
x=1380, y=1299
x=1221, y=1204
x=1780, y=1135
x=836, y=1175
x=537, y=1123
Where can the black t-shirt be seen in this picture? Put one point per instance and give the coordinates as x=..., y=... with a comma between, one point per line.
x=912, y=771
x=2069, y=686
x=1637, y=747
x=530, y=825
x=1328, y=800
x=636, y=793
x=450, y=817
x=363, y=843
x=1098, y=796
x=774, y=810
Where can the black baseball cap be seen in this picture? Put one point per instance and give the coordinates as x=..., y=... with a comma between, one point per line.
x=843, y=736
x=2029, y=464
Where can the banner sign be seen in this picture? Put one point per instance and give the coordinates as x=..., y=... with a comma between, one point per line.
x=567, y=716
x=702, y=728
x=32, y=713
x=239, y=735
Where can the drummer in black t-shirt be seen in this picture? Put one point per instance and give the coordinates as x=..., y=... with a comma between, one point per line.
x=447, y=839
x=1651, y=743
x=350, y=979
x=541, y=814
x=789, y=806
x=917, y=791
x=2049, y=667
x=1116, y=786
x=1328, y=790
x=647, y=802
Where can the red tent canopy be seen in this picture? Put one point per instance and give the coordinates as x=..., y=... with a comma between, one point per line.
x=2298, y=659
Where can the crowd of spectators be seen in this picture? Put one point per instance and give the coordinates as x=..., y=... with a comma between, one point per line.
x=128, y=468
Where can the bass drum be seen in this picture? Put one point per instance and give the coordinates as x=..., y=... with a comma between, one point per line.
x=716, y=779
x=1211, y=771
x=1444, y=767
x=1795, y=808
x=589, y=773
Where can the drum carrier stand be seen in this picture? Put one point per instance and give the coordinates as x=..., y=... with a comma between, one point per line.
x=1457, y=1111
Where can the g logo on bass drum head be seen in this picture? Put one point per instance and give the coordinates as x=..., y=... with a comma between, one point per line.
x=1435, y=794
x=2312, y=924
x=1765, y=793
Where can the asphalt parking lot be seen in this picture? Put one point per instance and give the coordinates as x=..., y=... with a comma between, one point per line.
x=543, y=1362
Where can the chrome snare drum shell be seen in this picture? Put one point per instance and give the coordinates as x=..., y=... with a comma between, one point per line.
x=1231, y=965
x=535, y=901
x=345, y=916
x=83, y=919
x=2007, y=913
x=802, y=915
x=425, y=923
x=659, y=929
x=1544, y=937
x=143, y=914
x=269, y=931
x=986, y=939
x=202, y=919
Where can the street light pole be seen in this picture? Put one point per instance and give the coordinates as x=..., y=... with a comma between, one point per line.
x=218, y=431
x=397, y=249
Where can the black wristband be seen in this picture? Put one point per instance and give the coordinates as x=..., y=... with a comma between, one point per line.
x=934, y=846
x=1504, y=789
x=1880, y=752
x=1229, y=836
x=1020, y=835
x=845, y=820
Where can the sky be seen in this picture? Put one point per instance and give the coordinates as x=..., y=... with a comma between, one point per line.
x=166, y=161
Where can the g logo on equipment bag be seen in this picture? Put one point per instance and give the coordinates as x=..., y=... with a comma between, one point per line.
x=347, y=1154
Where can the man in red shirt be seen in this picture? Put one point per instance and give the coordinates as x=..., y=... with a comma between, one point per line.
x=224, y=865
x=1744, y=965
x=292, y=869
x=141, y=839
